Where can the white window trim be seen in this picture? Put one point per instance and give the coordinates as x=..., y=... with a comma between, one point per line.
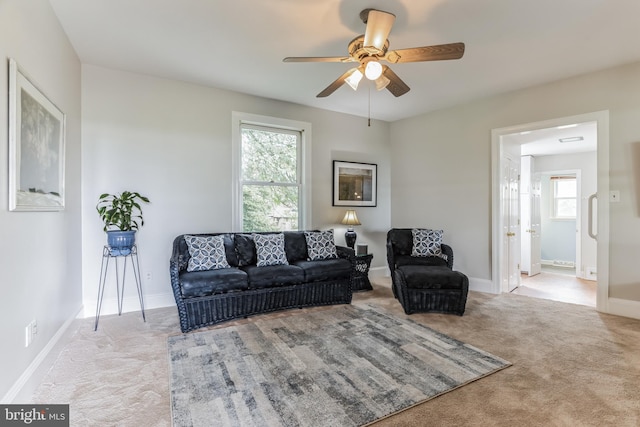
x=238, y=119
x=554, y=199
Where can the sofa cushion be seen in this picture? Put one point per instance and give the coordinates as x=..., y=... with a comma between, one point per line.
x=230, y=249
x=419, y=260
x=401, y=241
x=270, y=249
x=245, y=249
x=426, y=242
x=438, y=277
x=328, y=269
x=320, y=245
x=295, y=245
x=273, y=275
x=204, y=283
x=206, y=253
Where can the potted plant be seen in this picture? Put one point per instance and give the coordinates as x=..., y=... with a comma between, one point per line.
x=122, y=216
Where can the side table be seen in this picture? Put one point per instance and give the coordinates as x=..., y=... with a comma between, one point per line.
x=107, y=254
x=361, y=279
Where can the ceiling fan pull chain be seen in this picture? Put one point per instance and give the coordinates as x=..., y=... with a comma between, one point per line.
x=369, y=115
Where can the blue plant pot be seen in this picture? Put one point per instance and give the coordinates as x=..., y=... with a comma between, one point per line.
x=120, y=242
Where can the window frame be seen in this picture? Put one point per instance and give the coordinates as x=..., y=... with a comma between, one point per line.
x=553, y=180
x=239, y=120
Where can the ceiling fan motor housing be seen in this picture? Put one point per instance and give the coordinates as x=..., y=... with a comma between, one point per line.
x=358, y=51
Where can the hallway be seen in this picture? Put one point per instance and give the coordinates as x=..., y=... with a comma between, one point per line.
x=558, y=285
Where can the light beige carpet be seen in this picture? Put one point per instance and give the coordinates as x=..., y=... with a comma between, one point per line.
x=346, y=366
x=571, y=366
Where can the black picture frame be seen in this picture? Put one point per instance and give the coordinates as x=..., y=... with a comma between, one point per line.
x=355, y=184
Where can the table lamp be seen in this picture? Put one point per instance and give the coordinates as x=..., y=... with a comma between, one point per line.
x=350, y=219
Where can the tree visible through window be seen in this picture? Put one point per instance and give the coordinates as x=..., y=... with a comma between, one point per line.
x=270, y=178
x=564, y=196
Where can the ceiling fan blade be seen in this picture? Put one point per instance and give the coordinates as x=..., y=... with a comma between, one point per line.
x=318, y=59
x=379, y=25
x=396, y=86
x=336, y=84
x=426, y=53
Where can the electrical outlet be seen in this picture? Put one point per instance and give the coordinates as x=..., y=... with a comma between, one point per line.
x=148, y=275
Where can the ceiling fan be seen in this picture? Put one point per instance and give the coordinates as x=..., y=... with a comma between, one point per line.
x=372, y=47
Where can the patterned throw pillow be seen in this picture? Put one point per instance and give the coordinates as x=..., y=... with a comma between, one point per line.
x=207, y=253
x=320, y=245
x=426, y=242
x=270, y=249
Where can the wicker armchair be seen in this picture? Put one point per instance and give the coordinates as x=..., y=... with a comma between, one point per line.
x=424, y=284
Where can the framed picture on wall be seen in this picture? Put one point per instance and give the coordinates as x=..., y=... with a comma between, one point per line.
x=354, y=184
x=36, y=147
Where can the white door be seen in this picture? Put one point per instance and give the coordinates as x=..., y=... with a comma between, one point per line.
x=511, y=223
x=530, y=217
x=535, y=226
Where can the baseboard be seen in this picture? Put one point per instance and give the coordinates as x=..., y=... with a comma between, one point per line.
x=624, y=308
x=20, y=388
x=379, y=272
x=129, y=304
x=481, y=285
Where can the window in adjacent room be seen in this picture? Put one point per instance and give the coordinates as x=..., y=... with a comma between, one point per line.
x=271, y=190
x=564, y=191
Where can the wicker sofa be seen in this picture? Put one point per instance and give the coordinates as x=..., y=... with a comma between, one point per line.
x=424, y=283
x=207, y=297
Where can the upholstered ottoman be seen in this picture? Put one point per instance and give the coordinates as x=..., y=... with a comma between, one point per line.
x=434, y=289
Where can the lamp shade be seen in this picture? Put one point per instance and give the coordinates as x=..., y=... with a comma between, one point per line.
x=354, y=79
x=350, y=218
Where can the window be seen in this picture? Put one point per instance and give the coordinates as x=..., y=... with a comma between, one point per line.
x=564, y=191
x=270, y=170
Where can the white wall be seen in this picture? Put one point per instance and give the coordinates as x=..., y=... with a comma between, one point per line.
x=586, y=163
x=171, y=141
x=441, y=168
x=41, y=251
x=558, y=237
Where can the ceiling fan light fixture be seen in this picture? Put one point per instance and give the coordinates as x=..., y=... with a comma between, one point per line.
x=571, y=139
x=373, y=70
x=354, y=79
x=382, y=82
x=369, y=48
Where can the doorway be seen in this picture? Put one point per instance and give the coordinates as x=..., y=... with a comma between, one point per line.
x=521, y=139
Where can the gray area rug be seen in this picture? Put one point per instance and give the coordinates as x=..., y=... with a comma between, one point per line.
x=343, y=366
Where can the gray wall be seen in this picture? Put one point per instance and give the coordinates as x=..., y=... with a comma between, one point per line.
x=171, y=141
x=586, y=163
x=41, y=253
x=441, y=164
x=558, y=238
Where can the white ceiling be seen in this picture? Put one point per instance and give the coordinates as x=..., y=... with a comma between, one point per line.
x=239, y=45
x=546, y=142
